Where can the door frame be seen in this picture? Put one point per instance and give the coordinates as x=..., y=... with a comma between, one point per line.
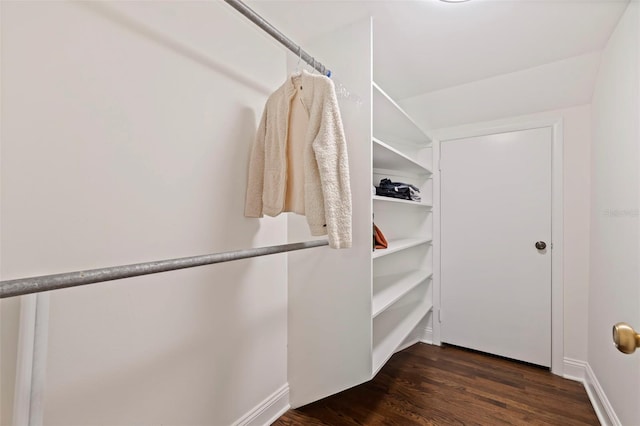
x=557, y=213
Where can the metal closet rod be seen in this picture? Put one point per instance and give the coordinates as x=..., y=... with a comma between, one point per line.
x=275, y=33
x=21, y=286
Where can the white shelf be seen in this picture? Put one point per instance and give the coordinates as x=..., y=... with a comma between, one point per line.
x=390, y=288
x=403, y=295
x=401, y=201
x=390, y=121
x=395, y=246
x=387, y=157
x=392, y=328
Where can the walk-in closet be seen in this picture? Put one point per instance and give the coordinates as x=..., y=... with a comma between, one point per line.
x=256, y=212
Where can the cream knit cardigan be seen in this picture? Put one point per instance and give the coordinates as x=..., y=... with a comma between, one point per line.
x=326, y=168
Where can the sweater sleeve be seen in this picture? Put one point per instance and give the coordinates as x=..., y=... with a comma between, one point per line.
x=255, y=180
x=330, y=148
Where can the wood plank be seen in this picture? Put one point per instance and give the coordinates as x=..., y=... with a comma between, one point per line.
x=431, y=385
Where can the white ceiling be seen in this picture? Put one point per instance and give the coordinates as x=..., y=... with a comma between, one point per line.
x=427, y=46
x=449, y=64
x=557, y=85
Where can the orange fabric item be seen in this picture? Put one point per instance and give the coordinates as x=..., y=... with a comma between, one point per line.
x=378, y=237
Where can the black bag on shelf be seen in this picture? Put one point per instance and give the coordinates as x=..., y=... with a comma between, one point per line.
x=403, y=193
x=401, y=190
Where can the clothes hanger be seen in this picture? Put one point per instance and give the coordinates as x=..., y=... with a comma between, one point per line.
x=297, y=71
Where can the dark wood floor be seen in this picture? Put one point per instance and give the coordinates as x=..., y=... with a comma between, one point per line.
x=431, y=385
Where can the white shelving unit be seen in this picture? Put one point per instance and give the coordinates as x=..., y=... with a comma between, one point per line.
x=389, y=288
x=391, y=122
x=389, y=158
x=393, y=326
x=401, y=290
x=395, y=246
x=401, y=201
x=375, y=299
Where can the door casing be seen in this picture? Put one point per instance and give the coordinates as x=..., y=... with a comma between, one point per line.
x=557, y=211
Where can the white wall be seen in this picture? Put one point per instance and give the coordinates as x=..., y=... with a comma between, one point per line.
x=126, y=128
x=557, y=85
x=576, y=156
x=614, y=291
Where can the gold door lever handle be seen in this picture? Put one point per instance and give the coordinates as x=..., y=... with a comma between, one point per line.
x=625, y=338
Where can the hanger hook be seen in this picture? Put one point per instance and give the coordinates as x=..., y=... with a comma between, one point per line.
x=299, y=59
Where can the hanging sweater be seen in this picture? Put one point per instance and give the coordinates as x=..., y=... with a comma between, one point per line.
x=285, y=152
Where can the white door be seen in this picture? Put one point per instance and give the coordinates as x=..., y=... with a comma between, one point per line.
x=495, y=207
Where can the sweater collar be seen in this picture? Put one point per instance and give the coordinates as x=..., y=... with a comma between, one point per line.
x=296, y=80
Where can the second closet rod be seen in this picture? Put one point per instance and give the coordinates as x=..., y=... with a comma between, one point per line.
x=21, y=286
x=275, y=33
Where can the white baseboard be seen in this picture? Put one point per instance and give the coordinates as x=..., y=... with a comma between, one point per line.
x=427, y=336
x=581, y=371
x=411, y=340
x=268, y=410
x=574, y=369
x=602, y=406
x=406, y=344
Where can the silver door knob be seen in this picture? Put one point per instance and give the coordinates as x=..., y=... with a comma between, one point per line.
x=541, y=245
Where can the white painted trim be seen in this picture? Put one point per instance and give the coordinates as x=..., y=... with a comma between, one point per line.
x=503, y=126
x=581, y=371
x=413, y=337
x=421, y=334
x=554, y=121
x=39, y=369
x=28, y=404
x=557, y=251
x=435, y=246
x=601, y=405
x=575, y=369
x=24, y=363
x=408, y=342
x=268, y=410
x=427, y=336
